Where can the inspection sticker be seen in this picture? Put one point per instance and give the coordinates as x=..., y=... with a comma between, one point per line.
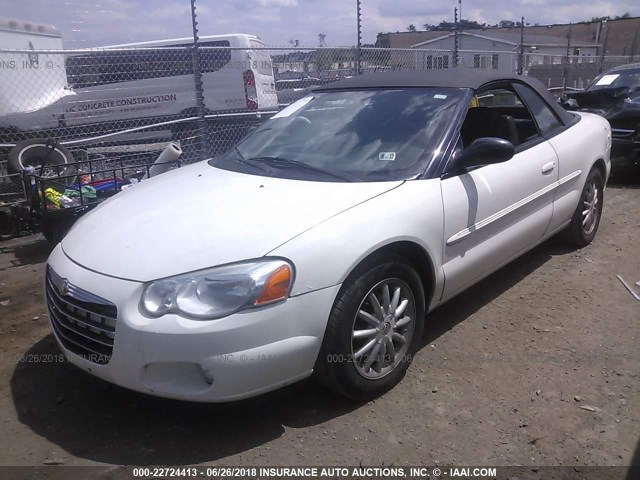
x=387, y=156
x=439, y=96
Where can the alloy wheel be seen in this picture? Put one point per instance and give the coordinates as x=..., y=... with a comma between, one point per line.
x=591, y=210
x=383, y=328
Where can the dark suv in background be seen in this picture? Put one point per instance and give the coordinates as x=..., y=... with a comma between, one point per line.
x=615, y=94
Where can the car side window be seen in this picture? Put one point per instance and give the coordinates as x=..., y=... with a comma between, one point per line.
x=498, y=97
x=545, y=117
x=498, y=112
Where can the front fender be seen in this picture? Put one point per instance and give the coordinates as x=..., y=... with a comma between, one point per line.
x=326, y=254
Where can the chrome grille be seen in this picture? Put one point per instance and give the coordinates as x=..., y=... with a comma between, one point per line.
x=622, y=133
x=83, y=322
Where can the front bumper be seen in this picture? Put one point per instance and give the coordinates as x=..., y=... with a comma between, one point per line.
x=243, y=355
x=625, y=150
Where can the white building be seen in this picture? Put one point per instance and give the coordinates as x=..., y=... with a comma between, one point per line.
x=495, y=50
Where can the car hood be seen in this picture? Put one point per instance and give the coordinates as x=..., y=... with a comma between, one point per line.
x=201, y=216
x=601, y=98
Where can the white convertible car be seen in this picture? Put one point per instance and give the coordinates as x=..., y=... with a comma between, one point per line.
x=319, y=244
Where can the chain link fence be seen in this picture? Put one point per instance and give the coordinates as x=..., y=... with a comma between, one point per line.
x=129, y=103
x=126, y=103
x=571, y=73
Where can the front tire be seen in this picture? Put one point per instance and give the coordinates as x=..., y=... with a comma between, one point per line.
x=55, y=231
x=586, y=218
x=374, y=329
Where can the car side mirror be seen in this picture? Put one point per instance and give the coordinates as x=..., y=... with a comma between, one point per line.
x=486, y=151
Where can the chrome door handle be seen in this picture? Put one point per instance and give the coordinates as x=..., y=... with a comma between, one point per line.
x=548, y=167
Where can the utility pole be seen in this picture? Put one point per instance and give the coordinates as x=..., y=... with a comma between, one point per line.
x=197, y=76
x=359, y=46
x=456, y=38
x=460, y=25
x=604, y=46
x=633, y=47
x=565, y=70
x=521, y=52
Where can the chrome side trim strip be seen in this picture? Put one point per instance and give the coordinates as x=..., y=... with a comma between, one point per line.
x=623, y=130
x=510, y=209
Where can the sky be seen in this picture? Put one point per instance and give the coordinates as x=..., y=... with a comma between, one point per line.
x=92, y=23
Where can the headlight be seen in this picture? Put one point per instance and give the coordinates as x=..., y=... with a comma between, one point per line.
x=219, y=291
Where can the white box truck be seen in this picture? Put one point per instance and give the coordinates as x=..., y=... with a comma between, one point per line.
x=84, y=94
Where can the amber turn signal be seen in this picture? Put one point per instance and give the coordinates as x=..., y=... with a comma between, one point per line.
x=276, y=287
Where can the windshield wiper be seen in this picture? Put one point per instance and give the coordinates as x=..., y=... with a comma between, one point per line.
x=251, y=162
x=288, y=163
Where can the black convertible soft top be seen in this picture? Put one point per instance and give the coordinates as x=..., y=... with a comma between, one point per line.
x=451, y=78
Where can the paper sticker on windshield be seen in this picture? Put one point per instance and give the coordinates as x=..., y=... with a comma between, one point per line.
x=439, y=96
x=387, y=156
x=608, y=79
x=293, y=108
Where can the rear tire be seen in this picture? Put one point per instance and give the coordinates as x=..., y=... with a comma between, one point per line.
x=369, y=343
x=586, y=218
x=9, y=226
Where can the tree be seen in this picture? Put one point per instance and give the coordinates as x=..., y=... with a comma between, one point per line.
x=322, y=40
x=411, y=28
x=383, y=40
x=446, y=26
x=607, y=17
x=443, y=26
x=470, y=25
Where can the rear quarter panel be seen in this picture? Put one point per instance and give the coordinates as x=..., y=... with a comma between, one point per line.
x=578, y=148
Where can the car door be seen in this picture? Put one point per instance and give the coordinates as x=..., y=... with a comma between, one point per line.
x=495, y=212
x=571, y=160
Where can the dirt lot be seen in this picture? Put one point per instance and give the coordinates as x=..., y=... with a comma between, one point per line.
x=500, y=379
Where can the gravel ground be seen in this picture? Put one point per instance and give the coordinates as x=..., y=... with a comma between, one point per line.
x=536, y=365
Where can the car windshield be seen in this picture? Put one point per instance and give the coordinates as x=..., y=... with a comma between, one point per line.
x=357, y=135
x=623, y=78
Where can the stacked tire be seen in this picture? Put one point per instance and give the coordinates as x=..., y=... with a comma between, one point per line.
x=38, y=152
